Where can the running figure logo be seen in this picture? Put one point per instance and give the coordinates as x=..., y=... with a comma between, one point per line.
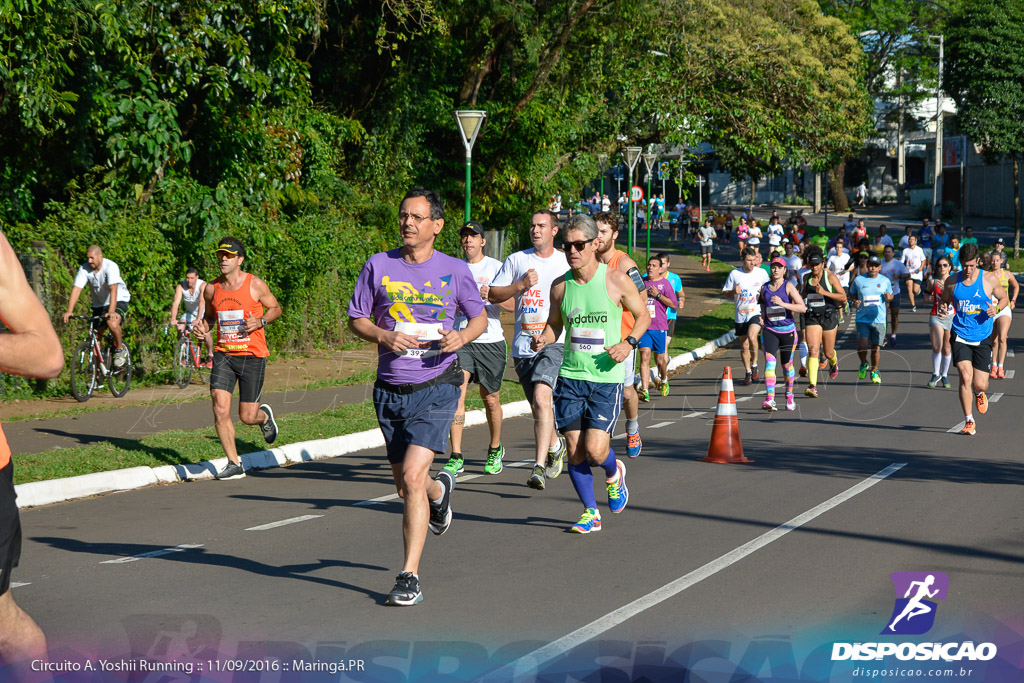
x=914, y=612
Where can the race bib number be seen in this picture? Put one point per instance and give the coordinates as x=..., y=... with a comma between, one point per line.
x=586, y=340
x=651, y=308
x=815, y=301
x=231, y=333
x=748, y=303
x=873, y=300
x=533, y=324
x=428, y=338
x=776, y=314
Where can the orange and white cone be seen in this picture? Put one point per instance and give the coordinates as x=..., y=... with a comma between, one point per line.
x=725, y=443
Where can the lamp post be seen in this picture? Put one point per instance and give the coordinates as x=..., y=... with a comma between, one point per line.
x=936, y=193
x=650, y=159
x=602, y=159
x=469, y=126
x=632, y=157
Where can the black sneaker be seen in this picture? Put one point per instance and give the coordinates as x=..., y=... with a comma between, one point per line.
x=270, y=426
x=406, y=591
x=441, y=511
x=756, y=375
x=748, y=379
x=233, y=470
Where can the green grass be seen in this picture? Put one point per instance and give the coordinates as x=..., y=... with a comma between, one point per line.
x=189, y=446
x=699, y=331
x=1015, y=265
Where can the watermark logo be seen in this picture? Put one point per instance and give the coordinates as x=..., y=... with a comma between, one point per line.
x=915, y=607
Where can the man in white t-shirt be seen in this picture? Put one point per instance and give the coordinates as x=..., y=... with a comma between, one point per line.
x=482, y=360
x=775, y=234
x=606, y=203
x=905, y=240
x=897, y=273
x=914, y=259
x=744, y=285
x=839, y=262
x=793, y=262
x=850, y=223
x=109, y=292
x=527, y=275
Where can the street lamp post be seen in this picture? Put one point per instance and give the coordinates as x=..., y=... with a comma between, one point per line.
x=602, y=159
x=469, y=126
x=632, y=157
x=936, y=192
x=650, y=159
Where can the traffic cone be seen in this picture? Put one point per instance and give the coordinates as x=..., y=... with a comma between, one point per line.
x=725, y=443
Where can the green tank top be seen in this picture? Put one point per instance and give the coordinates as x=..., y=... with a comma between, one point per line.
x=592, y=322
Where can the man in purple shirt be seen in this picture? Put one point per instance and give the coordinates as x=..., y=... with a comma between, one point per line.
x=661, y=296
x=405, y=302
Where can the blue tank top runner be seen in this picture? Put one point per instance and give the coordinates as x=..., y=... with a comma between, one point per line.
x=971, y=322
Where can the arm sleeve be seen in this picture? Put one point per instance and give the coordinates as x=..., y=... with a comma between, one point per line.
x=730, y=283
x=361, y=304
x=467, y=292
x=81, y=279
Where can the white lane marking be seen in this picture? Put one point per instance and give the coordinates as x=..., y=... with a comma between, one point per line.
x=760, y=391
x=744, y=398
x=694, y=415
x=19, y=584
x=957, y=428
x=619, y=436
x=1009, y=353
x=283, y=522
x=154, y=553
x=1010, y=374
x=994, y=398
x=531, y=662
x=660, y=425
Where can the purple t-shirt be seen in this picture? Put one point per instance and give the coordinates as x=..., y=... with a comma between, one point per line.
x=415, y=298
x=658, y=310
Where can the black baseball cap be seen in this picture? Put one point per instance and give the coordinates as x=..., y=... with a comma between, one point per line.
x=815, y=259
x=873, y=260
x=230, y=245
x=473, y=227
x=1001, y=241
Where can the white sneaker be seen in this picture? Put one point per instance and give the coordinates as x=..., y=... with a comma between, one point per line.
x=120, y=357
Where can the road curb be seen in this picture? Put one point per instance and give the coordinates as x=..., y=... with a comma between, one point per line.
x=51, y=491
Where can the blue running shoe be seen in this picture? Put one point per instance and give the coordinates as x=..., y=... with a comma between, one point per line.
x=618, y=494
x=589, y=521
x=634, y=444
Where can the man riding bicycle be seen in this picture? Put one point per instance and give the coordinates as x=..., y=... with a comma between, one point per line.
x=110, y=296
x=190, y=293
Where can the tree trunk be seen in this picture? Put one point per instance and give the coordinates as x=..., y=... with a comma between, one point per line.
x=835, y=185
x=753, y=191
x=1016, y=206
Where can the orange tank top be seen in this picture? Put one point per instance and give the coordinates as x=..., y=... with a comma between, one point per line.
x=627, y=318
x=5, y=450
x=232, y=308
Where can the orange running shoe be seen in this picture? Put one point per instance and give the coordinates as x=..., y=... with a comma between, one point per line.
x=1002, y=373
x=994, y=372
x=968, y=428
x=981, y=401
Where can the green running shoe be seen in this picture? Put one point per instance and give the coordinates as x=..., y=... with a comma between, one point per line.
x=556, y=460
x=875, y=377
x=863, y=371
x=456, y=464
x=494, y=457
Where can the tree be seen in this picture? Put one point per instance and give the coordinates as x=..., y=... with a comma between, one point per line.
x=984, y=73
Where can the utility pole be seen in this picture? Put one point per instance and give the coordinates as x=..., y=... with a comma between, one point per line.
x=937, y=186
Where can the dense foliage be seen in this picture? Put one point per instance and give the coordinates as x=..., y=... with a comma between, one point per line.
x=152, y=128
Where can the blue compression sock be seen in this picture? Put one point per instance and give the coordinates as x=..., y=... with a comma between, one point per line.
x=583, y=481
x=609, y=464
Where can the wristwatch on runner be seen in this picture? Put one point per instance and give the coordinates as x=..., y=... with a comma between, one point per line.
x=263, y=322
x=632, y=341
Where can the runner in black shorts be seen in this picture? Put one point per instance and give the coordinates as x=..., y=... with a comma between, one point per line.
x=31, y=349
x=240, y=305
x=823, y=294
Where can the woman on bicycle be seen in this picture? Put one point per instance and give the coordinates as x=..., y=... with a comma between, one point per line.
x=940, y=322
x=823, y=295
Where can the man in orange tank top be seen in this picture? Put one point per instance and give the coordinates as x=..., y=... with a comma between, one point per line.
x=30, y=348
x=240, y=305
x=607, y=231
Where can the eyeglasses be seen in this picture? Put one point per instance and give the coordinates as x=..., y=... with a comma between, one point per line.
x=416, y=218
x=578, y=246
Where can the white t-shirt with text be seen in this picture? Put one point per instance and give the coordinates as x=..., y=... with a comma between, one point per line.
x=746, y=301
x=532, y=305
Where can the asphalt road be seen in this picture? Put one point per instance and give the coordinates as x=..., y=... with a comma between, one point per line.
x=712, y=572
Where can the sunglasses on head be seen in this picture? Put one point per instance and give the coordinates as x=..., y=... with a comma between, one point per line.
x=578, y=246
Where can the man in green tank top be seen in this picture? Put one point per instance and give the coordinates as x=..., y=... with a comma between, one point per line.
x=587, y=303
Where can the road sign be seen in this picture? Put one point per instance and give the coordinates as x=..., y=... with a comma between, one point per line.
x=637, y=194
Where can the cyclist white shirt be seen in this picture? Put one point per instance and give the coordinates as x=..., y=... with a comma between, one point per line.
x=100, y=282
x=190, y=300
x=532, y=305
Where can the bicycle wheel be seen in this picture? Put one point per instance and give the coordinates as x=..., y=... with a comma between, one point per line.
x=182, y=363
x=120, y=379
x=83, y=372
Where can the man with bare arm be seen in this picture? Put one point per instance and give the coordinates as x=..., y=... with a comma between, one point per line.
x=240, y=305
x=405, y=302
x=527, y=275
x=30, y=348
x=616, y=259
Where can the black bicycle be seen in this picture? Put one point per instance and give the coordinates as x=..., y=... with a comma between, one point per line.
x=186, y=360
x=93, y=362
